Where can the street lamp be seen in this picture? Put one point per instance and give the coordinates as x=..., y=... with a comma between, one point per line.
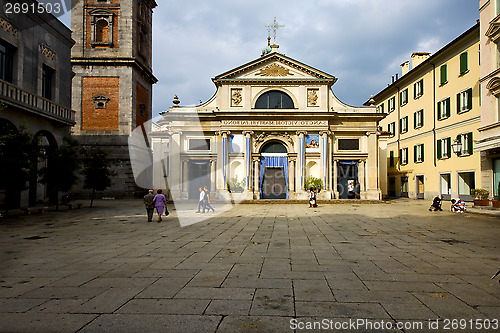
x=457, y=146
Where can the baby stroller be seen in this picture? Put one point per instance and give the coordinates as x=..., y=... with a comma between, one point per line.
x=436, y=204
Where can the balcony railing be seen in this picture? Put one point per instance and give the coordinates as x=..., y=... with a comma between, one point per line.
x=18, y=97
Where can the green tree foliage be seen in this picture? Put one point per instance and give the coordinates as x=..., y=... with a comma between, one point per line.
x=63, y=165
x=236, y=185
x=313, y=182
x=96, y=171
x=18, y=156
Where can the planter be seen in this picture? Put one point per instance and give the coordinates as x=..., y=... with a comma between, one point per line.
x=481, y=202
x=495, y=203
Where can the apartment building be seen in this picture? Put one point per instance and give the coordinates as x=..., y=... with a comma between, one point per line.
x=433, y=115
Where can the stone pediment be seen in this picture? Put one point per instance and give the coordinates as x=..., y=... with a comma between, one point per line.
x=493, y=31
x=274, y=66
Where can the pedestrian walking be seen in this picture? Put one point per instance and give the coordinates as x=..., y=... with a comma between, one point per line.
x=201, y=201
x=150, y=205
x=160, y=204
x=207, y=200
x=312, y=198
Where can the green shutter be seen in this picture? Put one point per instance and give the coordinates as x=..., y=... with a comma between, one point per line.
x=470, y=146
x=401, y=125
x=439, y=154
x=414, y=90
x=459, y=138
x=444, y=74
x=421, y=87
x=415, y=119
x=448, y=143
x=401, y=156
x=439, y=111
x=422, y=151
x=464, y=63
x=422, y=117
x=448, y=107
x=458, y=103
x=469, y=99
x=391, y=158
x=415, y=154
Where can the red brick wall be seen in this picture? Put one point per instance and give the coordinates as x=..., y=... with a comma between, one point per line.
x=100, y=119
x=142, y=96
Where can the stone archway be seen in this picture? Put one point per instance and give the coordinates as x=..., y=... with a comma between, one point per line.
x=46, y=144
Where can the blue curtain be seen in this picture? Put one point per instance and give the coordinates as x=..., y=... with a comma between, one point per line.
x=274, y=162
x=348, y=162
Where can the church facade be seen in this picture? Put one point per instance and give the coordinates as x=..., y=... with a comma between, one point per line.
x=272, y=130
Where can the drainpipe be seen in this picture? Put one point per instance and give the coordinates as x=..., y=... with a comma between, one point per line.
x=434, y=113
x=397, y=101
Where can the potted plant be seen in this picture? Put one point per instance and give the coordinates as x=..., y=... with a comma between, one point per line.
x=496, y=203
x=480, y=197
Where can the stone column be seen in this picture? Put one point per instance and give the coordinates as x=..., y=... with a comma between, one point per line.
x=185, y=178
x=324, y=158
x=361, y=179
x=213, y=172
x=334, y=178
x=225, y=155
x=248, y=157
x=372, y=182
x=256, y=177
x=301, y=156
x=291, y=174
x=175, y=165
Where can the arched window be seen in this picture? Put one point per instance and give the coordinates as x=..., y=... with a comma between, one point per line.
x=102, y=31
x=274, y=99
x=274, y=147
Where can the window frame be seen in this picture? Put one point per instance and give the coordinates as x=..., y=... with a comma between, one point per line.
x=464, y=96
x=443, y=148
x=392, y=130
x=391, y=104
x=207, y=139
x=418, y=122
x=418, y=89
x=419, y=153
x=403, y=156
x=403, y=97
x=447, y=109
x=466, y=139
x=403, y=121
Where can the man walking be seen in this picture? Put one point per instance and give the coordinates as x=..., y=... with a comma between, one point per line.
x=201, y=202
x=207, y=200
x=150, y=207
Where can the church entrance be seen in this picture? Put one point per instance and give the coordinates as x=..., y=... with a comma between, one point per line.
x=347, y=180
x=274, y=171
x=199, y=176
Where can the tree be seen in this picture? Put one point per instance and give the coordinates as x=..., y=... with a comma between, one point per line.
x=96, y=171
x=314, y=183
x=18, y=157
x=63, y=164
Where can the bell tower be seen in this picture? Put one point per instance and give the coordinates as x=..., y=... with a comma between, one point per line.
x=113, y=77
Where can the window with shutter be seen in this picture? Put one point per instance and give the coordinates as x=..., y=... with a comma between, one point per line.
x=391, y=104
x=418, y=89
x=469, y=143
x=439, y=149
x=447, y=102
x=443, y=109
x=403, y=97
x=464, y=101
x=448, y=147
x=444, y=74
x=391, y=158
x=464, y=66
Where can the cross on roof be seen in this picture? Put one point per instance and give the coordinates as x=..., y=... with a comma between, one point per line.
x=275, y=26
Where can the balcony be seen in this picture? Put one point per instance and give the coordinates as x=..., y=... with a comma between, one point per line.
x=20, y=98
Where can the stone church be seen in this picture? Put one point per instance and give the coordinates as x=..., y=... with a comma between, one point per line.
x=273, y=123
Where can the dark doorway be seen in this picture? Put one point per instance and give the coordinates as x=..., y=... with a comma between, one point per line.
x=392, y=187
x=420, y=187
x=199, y=176
x=347, y=180
x=274, y=184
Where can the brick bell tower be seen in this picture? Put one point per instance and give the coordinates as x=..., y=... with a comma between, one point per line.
x=112, y=86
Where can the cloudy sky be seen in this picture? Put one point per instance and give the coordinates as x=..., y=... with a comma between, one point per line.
x=361, y=42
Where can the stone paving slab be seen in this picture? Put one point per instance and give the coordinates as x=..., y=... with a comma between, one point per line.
x=254, y=268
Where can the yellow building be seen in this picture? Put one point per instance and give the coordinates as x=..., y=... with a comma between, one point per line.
x=430, y=107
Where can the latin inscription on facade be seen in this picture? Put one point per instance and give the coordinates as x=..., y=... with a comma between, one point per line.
x=292, y=123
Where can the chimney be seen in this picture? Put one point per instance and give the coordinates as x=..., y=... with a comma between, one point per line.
x=419, y=57
x=405, y=68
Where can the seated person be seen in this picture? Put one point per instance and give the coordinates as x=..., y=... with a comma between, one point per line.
x=457, y=206
x=436, y=204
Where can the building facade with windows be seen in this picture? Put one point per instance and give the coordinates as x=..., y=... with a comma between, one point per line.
x=272, y=123
x=113, y=82
x=35, y=87
x=430, y=107
x=488, y=144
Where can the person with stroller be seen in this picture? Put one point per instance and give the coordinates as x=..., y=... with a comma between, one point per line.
x=458, y=205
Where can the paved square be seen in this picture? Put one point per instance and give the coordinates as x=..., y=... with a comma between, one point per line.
x=254, y=268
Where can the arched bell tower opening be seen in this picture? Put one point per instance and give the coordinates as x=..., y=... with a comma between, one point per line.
x=274, y=171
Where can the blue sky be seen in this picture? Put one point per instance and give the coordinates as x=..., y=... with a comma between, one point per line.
x=361, y=42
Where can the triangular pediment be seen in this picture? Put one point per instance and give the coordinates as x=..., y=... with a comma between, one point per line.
x=275, y=66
